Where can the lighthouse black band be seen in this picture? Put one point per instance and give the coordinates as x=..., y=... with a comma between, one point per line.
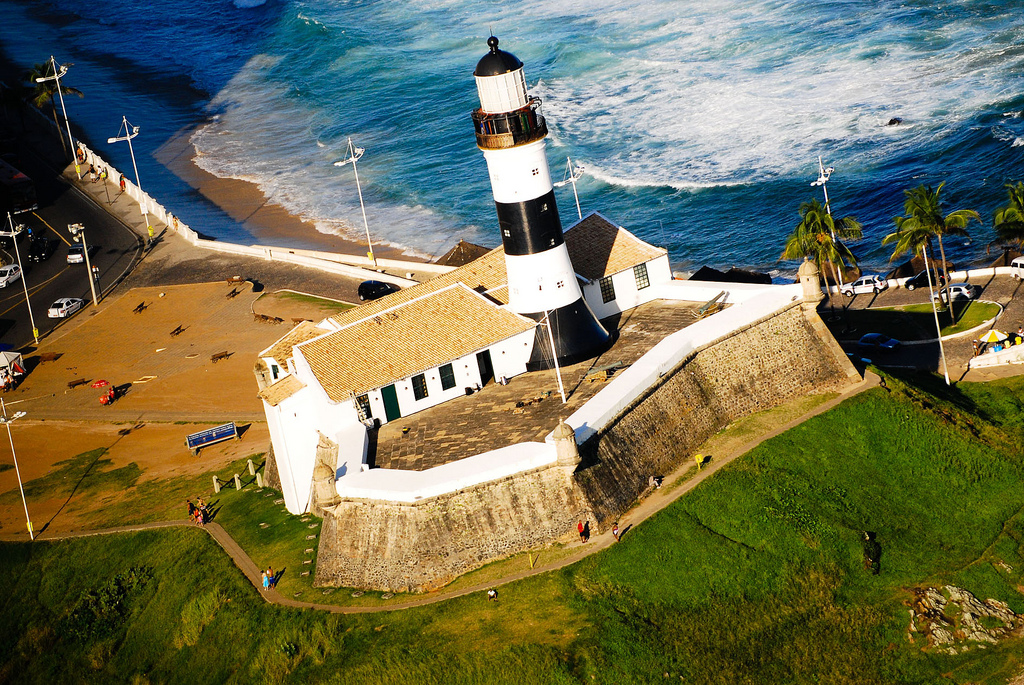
x=577, y=333
x=530, y=227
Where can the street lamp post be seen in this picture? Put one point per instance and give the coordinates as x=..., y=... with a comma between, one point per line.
x=572, y=174
x=57, y=73
x=129, y=133
x=24, y=283
x=78, y=233
x=935, y=311
x=7, y=421
x=354, y=154
x=546, y=321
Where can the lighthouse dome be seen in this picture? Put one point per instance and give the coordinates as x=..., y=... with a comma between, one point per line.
x=496, y=62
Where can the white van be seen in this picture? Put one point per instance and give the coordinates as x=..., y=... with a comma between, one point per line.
x=1017, y=268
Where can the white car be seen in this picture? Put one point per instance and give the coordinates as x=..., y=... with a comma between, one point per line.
x=64, y=307
x=9, y=274
x=958, y=291
x=871, y=283
x=76, y=254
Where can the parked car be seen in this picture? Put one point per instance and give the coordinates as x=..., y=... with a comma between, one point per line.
x=958, y=291
x=41, y=249
x=921, y=280
x=373, y=290
x=9, y=274
x=64, y=307
x=1017, y=268
x=871, y=283
x=876, y=342
x=76, y=254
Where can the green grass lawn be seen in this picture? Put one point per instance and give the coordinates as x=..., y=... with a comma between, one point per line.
x=915, y=321
x=754, y=577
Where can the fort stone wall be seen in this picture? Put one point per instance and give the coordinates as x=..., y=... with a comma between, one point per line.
x=422, y=546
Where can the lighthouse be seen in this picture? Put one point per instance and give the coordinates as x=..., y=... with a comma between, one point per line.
x=542, y=283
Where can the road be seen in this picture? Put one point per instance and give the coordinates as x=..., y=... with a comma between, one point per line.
x=113, y=249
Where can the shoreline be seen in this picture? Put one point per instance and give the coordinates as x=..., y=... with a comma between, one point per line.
x=269, y=223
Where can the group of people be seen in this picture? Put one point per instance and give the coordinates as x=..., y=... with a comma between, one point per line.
x=269, y=579
x=199, y=512
x=1012, y=341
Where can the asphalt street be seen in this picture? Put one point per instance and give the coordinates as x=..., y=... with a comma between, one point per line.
x=113, y=248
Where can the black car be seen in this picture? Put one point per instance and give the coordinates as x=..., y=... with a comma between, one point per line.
x=921, y=280
x=41, y=249
x=373, y=290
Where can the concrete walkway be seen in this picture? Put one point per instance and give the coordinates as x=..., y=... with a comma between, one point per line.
x=658, y=500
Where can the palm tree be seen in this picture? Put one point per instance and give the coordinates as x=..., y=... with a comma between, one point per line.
x=1009, y=219
x=43, y=93
x=924, y=217
x=820, y=237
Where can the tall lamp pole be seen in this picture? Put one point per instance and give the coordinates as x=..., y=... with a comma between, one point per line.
x=58, y=71
x=7, y=421
x=572, y=174
x=935, y=311
x=823, y=175
x=546, y=321
x=78, y=233
x=129, y=133
x=354, y=154
x=24, y=283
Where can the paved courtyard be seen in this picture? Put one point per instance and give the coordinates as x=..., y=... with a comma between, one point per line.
x=491, y=418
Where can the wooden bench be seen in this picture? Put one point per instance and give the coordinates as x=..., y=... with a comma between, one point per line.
x=177, y=331
x=49, y=356
x=713, y=305
x=220, y=355
x=602, y=373
x=139, y=308
x=75, y=383
x=234, y=279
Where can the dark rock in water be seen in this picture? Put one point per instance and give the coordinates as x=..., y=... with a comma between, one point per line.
x=733, y=275
x=895, y=121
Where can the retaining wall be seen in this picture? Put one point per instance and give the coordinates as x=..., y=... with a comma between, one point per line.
x=421, y=546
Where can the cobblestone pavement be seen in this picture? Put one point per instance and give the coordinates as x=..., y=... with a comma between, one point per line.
x=490, y=419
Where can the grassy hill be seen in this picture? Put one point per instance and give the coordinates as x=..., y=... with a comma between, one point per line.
x=757, y=576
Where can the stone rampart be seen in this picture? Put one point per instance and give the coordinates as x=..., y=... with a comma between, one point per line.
x=422, y=546
x=771, y=361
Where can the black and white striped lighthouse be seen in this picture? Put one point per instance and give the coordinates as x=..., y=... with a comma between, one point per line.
x=541, y=280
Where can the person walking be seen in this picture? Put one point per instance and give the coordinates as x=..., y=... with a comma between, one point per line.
x=615, y=532
x=579, y=527
x=266, y=582
x=191, y=509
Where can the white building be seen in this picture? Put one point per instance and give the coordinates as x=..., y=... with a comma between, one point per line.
x=324, y=383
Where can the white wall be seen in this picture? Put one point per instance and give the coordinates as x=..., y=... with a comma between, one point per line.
x=627, y=295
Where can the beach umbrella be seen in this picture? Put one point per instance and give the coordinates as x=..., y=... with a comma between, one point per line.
x=993, y=336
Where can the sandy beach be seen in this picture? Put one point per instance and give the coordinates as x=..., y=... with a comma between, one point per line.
x=245, y=203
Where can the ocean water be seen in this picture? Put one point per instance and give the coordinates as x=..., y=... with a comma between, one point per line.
x=699, y=124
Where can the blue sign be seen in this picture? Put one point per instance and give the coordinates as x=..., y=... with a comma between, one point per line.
x=208, y=437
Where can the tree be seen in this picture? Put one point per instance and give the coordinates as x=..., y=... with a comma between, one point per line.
x=820, y=237
x=45, y=92
x=1009, y=219
x=922, y=219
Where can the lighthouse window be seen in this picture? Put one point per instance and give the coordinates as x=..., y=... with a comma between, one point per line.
x=560, y=284
x=607, y=289
x=447, y=374
x=642, y=280
x=508, y=233
x=419, y=386
x=536, y=172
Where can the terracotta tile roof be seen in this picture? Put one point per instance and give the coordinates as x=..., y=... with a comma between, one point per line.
x=599, y=248
x=481, y=274
x=281, y=390
x=282, y=349
x=414, y=336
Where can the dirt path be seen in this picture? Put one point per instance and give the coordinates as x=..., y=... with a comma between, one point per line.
x=657, y=501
